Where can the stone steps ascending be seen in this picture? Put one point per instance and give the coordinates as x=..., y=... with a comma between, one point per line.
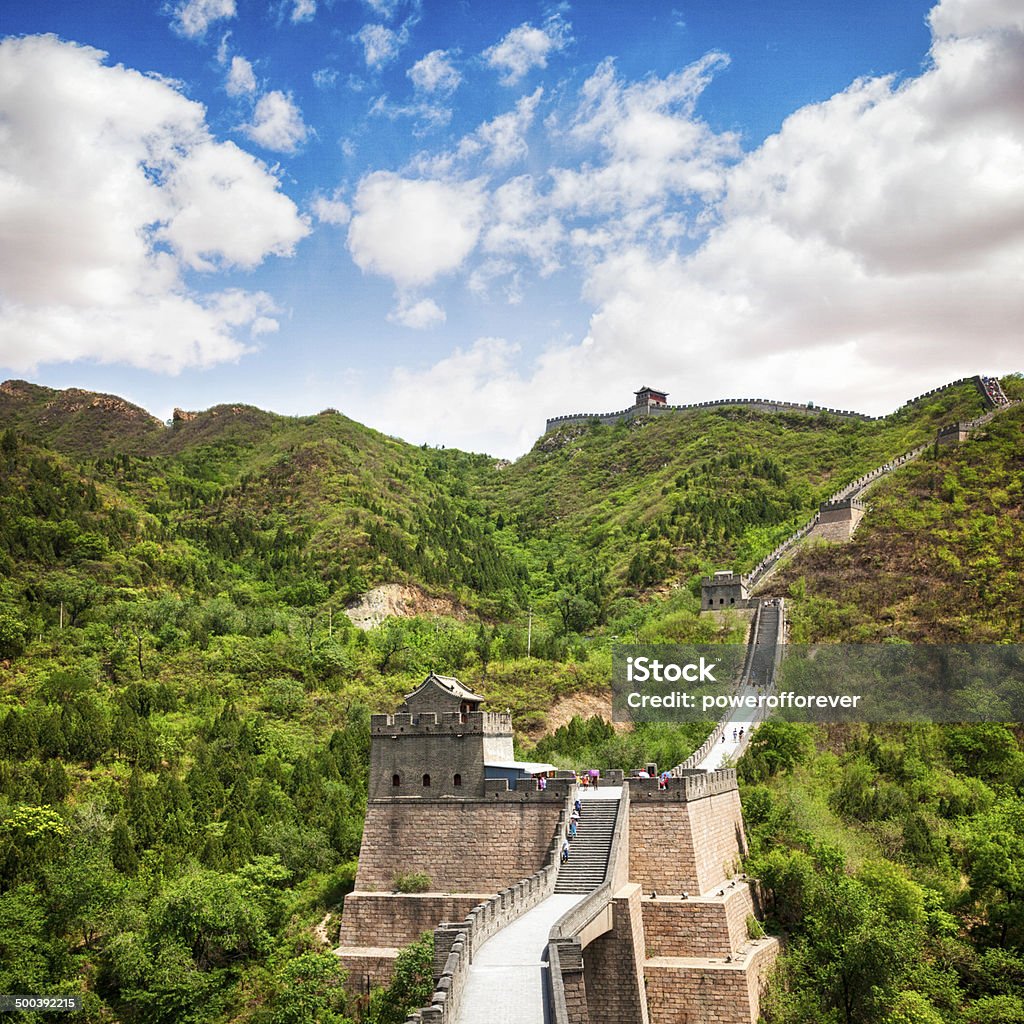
x=589, y=851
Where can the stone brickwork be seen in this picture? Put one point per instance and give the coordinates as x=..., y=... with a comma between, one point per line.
x=698, y=926
x=464, y=846
x=432, y=754
x=678, y=845
x=566, y=958
x=614, y=965
x=368, y=967
x=685, y=990
x=397, y=919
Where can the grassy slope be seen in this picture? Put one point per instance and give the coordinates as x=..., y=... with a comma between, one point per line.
x=939, y=556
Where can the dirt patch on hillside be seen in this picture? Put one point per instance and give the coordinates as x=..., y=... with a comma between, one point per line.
x=399, y=599
x=583, y=705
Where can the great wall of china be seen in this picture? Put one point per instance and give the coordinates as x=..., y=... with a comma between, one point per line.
x=649, y=921
x=646, y=407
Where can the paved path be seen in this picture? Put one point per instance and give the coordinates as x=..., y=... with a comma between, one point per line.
x=728, y=749
x=507, y=980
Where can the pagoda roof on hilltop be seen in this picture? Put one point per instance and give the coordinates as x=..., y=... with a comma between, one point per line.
x=450, y=685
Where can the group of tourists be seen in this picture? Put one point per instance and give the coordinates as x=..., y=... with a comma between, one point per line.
x=570, y=832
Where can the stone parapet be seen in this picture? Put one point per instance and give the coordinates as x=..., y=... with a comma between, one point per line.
x=398, y=919
x=447, y=723
x=686, y=786
x=454, y=944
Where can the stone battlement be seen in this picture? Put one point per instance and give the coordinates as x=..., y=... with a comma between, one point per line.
x=683, y=788
x=452, y=723
x=988, y=387
x=842, y=505
x=658, y=409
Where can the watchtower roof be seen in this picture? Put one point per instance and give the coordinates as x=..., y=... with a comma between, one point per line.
x=449, y=685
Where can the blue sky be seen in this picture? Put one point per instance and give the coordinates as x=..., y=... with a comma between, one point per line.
x=452, y=220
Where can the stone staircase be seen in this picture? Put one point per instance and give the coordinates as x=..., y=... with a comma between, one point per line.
x=585, y=869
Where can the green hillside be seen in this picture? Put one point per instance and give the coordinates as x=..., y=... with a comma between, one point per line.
x=183, y=712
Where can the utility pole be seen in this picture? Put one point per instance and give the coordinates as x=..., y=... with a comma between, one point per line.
x=62, y=615
x=529, y=631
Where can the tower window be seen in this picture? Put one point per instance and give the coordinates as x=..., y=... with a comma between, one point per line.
x=396, y=780
x=426, y=780
x=457, y=780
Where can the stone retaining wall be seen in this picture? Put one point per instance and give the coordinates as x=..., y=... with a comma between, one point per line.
x=698, y=926
x=685, y=990
x=398, y=919
x=462, y=846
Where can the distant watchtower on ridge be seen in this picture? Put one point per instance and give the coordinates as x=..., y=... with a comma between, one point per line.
x=651, y=396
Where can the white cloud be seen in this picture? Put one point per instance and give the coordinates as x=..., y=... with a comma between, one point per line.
x=527, y=47
x=975, y=17
x=380, y=44
x=427, y=116
x=303, y=10
x=418, y=315
x=240, y=81
x=413, y=230
x=325, y=78
x=331, y=211
x=193, y=17
x=522, y=226
x=383, y=8
x=505, y=135
x=872, y=248
x=110, y=187
x=277, y=123
x=652, y=149
x=486, y=370
x=435, y=73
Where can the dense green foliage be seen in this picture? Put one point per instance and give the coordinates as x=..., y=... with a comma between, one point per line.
x=183, y=725
x=890, y=859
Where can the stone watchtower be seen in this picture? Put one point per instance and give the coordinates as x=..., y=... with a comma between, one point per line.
x=449, y=804
x=437, y=744
x=726, y=589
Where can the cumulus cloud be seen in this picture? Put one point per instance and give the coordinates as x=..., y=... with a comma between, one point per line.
x=413, y=230
x=331, y=211
x=111, y=186
x=435, y=73
x=651, y=148
x=527, y=47
x=193, y=17
x=418, y=315
x=504, y=137
x=277, y=123
x=380, y=44
x=871, y=248
x=303, y=10
x=241, y=80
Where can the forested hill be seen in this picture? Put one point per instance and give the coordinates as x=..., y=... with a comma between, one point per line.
x=184, y=704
